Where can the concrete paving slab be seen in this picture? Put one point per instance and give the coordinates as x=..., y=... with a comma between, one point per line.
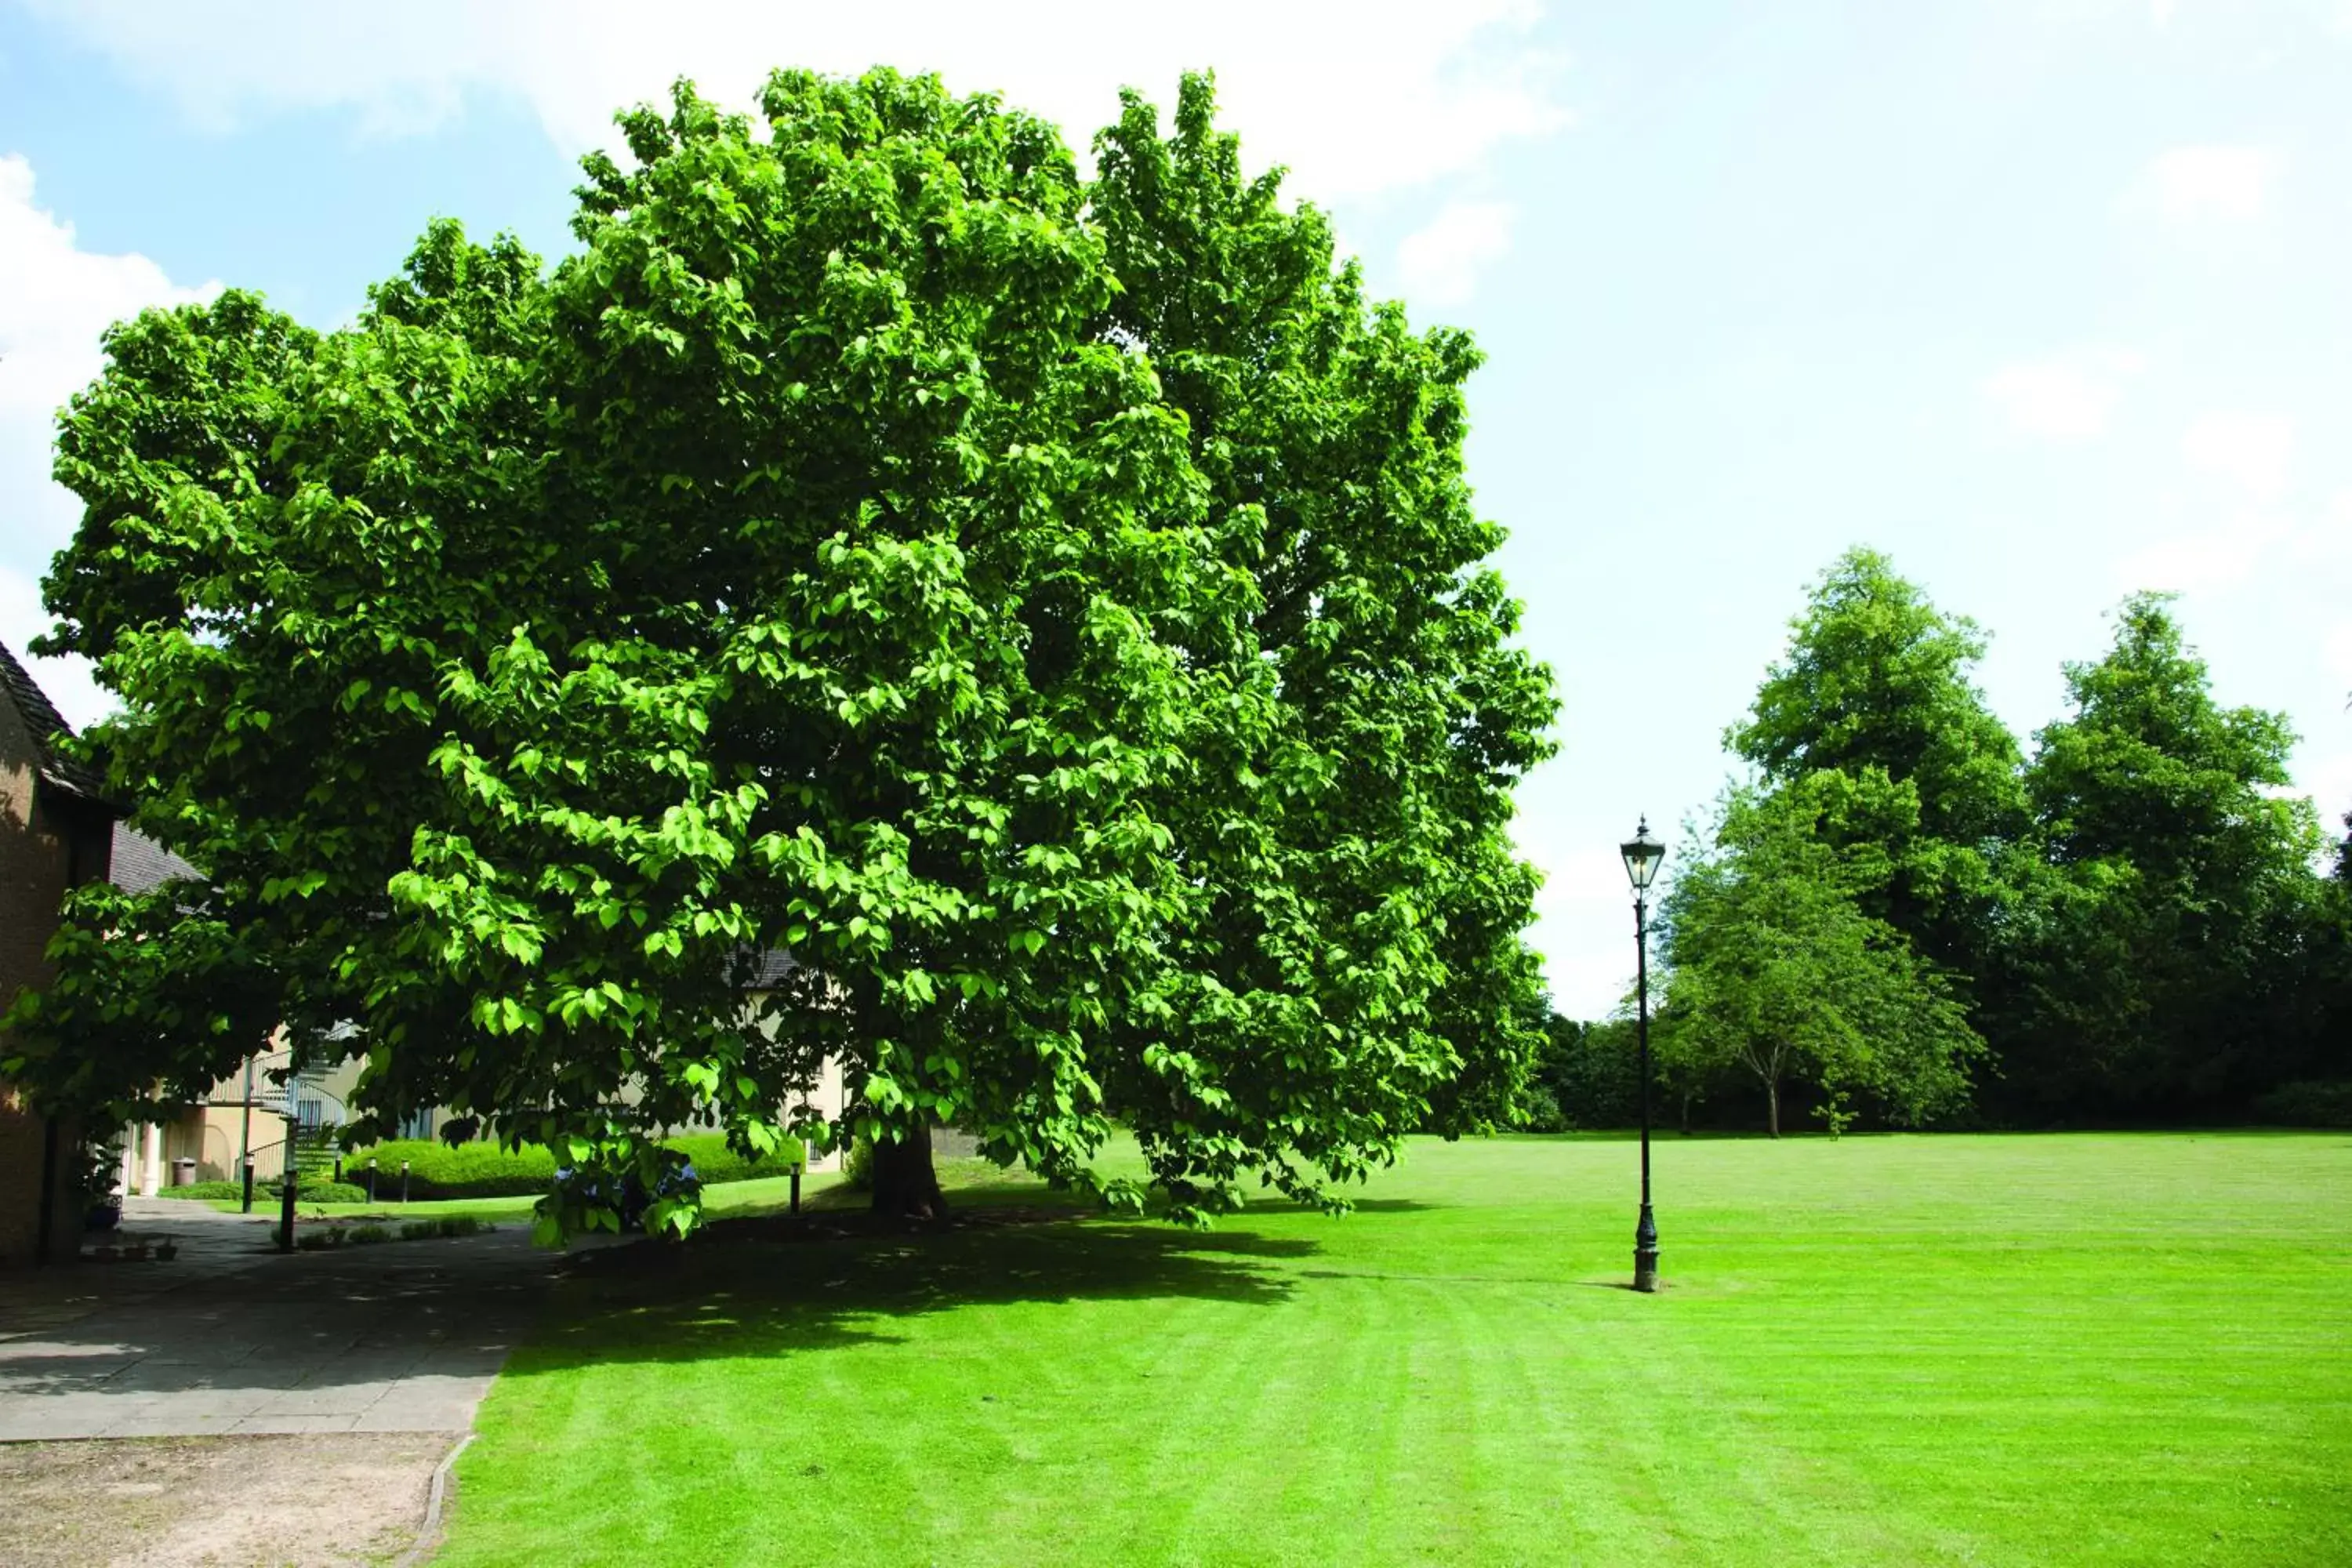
x=405, y=1336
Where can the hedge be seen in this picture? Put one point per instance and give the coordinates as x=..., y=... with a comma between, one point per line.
x=318, y=1192
x=483, y=1170
x=214, y=1191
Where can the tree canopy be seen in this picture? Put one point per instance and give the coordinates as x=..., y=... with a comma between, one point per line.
x=1877, y=678
x=1052, y=611
x=2167, y=949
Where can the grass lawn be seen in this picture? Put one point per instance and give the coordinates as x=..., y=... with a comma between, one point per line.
x=2108, y=1348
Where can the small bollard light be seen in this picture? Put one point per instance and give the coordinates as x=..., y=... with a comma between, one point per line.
x=339, y=1167
x=248, y=1183
x=403, y=1181
x=370, y=1178
x=796, y=1189
x=285, y=1194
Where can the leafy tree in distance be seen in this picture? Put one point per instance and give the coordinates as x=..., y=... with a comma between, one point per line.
x=843, y=553
x=1772, y=966
x=1876, y=677
x=2167, y=946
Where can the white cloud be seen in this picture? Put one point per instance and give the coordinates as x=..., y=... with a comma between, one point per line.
x=2312, y=549
x=67, y=682
x=2066, y=398
x=1358, y=99
x=2251, y=450
x=2225, y=556
x=55, y=298
x=2195, y=185
x=1441, y=261
x=2338, y=645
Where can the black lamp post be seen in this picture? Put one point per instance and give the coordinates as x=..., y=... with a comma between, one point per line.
x=1643, y=854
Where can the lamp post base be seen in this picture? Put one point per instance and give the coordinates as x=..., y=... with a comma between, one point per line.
x=1645, y=1253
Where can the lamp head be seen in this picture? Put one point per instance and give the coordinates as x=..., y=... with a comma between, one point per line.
x=1643, y=854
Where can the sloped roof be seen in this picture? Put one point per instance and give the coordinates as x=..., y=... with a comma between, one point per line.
x=139, y=863
x=42, y=718
x=769, y=968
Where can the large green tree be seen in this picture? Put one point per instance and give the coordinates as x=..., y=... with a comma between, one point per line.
x=841, y=552
x=1876, y=677
x=2168, y=956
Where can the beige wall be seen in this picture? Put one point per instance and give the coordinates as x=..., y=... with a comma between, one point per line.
x=828, y=1101
x=214, y=1136
x=828, y=1095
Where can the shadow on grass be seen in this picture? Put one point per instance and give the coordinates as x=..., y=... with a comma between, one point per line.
x=774, y=1288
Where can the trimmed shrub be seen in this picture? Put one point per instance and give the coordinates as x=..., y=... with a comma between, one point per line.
x=715, y=1161
x=857, y=1166
x=367, y=1235
x=438, y=1170
x=213, y=1191
x=484, y=1170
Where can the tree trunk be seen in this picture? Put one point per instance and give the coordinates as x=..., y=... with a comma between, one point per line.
x=1771, y=1099
x=905, y=1185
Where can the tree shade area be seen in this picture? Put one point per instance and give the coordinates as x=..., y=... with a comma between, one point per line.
x=2093, y=1348
x=1910, y=921
x=1050, y=609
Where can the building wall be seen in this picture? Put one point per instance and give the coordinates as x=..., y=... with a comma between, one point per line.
x=827, y=1097
x=36, y=862
x=828, y=1101
x=214, y=1136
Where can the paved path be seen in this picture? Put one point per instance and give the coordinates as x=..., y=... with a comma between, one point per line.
x=231, y=1337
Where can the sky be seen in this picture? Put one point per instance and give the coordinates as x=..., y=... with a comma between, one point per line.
x=2050, y=299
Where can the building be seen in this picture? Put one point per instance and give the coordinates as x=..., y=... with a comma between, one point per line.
x=245, y=1113
x=56, y=832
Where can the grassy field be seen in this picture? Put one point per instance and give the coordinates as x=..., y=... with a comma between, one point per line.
x=2117, y=1349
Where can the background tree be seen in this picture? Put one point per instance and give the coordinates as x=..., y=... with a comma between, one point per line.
x=2169, y=948
x=816, y=561
x=1587, y=1076
x=1876, y=677
x=1773, y=967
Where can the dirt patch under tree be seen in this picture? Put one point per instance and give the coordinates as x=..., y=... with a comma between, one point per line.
x=336, y=1500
